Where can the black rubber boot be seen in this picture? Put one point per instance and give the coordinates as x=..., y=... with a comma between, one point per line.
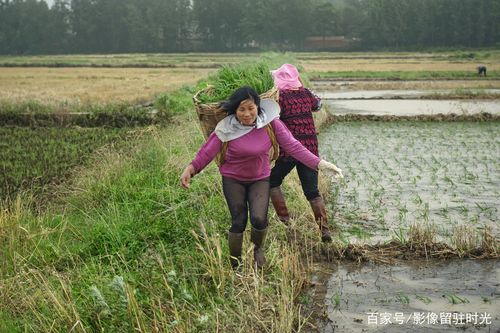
x=258, y=237
x=235, y=241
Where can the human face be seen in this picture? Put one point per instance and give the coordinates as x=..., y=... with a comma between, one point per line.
x=246, y=113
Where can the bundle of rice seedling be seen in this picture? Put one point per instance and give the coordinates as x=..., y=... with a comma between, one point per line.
x=230, y=78
x=220, y=86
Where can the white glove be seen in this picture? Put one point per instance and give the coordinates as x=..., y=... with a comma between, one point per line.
x=330, y=169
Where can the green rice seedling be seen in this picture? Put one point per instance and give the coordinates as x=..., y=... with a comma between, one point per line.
x=455, y=299
x=336, y=301
x=229, y=78
x=484, y=208
x=425, y=212
x=434, y=178
x=400, y=236
x=417, y=199
x=385, y=300
x=424, y=299
x=381, y=213
x=464, y=210
x=444, y=211
x=402, y=211
x=449, y=180
x=402, y=298
x=359, y=232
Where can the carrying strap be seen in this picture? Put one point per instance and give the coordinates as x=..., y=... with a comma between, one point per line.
x=275, y=150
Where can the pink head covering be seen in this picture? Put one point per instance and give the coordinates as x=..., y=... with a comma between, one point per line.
x=286, y=77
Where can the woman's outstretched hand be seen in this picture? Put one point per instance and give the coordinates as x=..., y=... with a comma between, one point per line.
x=330, y=169
x=186, y=175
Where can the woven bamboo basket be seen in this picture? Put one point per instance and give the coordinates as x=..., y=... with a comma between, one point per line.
x=209, y=114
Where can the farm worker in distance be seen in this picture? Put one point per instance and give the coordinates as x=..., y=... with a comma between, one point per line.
x=245, y=168
x=297, y=104
x=481, y=70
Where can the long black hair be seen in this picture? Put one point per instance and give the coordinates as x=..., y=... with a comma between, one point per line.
x=239, y=95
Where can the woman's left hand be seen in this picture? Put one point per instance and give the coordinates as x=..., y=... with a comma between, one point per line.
x=327, y=167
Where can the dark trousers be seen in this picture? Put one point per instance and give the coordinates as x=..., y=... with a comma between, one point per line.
x=242, y=197
x=308, y=177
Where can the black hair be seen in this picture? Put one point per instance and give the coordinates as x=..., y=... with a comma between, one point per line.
x=239, y=95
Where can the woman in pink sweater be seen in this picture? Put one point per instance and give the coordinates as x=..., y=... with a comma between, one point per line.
x=246, y=168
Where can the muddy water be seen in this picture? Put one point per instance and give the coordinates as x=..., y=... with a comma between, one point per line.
x=411, y=107
x=424, y=296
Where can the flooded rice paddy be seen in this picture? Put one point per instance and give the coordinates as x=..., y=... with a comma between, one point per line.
x=445, y=175
x=400, y=173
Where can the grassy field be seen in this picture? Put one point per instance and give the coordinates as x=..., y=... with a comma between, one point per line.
x=130, y=250
x=34, y=158
x=124, y=248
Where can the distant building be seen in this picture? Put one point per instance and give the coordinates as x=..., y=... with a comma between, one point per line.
x=328, y=43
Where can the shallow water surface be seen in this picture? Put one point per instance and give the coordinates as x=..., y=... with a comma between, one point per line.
x=412, y=107
x=416, y=296
x=399, y=94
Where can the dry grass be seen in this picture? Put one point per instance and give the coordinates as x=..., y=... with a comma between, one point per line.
x=54, y=86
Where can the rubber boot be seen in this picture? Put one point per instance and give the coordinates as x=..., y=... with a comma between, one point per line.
x=235, y=241
x=319, y=210
x=258, y=237
x=279, y=204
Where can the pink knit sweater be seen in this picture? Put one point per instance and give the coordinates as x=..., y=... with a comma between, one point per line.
x=247, y=157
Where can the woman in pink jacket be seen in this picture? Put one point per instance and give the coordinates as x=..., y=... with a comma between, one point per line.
x=246, y=168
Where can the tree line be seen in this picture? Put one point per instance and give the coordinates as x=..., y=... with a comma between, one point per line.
x=112, y=26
